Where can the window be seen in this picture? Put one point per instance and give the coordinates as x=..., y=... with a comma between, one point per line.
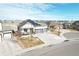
x=25, y=30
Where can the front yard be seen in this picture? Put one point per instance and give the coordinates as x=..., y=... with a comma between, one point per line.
x=29, y=41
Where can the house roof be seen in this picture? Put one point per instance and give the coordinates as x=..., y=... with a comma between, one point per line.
x=30, y=21
x=76, y=23
x=27, y=26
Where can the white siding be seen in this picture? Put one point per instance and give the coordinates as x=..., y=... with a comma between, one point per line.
x=40, y=29
x=0, y=38
x=0, y=26
x=27, y=25
x=0, y=30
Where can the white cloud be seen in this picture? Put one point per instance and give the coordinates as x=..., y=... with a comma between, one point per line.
x=19, y=11
x=32, y=11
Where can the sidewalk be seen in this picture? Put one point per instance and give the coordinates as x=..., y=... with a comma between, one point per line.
x=9, y=48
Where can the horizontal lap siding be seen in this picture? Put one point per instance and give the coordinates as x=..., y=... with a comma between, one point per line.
x=40, y=30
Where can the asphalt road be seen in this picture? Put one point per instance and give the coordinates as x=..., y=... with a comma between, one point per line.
x=71, y=35
x=69, y=48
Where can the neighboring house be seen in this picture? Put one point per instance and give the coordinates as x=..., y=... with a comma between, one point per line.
x=5, y=34
x=66, y=25
x=75, y=25
x=10, y=26
x=55, y=26
x=29, y=27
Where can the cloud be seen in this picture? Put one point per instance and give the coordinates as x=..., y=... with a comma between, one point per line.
x=34, y=7
x=19, y=11
x=44, y=6
x=37, y=11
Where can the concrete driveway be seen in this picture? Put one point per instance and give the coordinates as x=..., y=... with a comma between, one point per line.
x=49, y=38
x=9, y=47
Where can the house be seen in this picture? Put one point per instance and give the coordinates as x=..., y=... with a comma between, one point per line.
x=40, y=29
x=7, y=34
x=75, y=25
x=1, y=34
x=10, y=25
x=54, y=26
x=29, y=27
x=66, y=24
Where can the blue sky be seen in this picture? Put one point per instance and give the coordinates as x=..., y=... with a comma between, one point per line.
x=39, y=11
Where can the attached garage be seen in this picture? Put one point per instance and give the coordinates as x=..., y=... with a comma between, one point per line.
x=40, y=29
x=7, y=35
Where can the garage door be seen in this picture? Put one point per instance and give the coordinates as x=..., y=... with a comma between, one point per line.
x=39, y=30
x=7, y=36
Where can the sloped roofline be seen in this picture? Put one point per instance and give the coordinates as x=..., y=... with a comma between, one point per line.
x=30, y=21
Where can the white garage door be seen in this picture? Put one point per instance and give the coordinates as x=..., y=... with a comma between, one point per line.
x=39, y=30
x=7, y=36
